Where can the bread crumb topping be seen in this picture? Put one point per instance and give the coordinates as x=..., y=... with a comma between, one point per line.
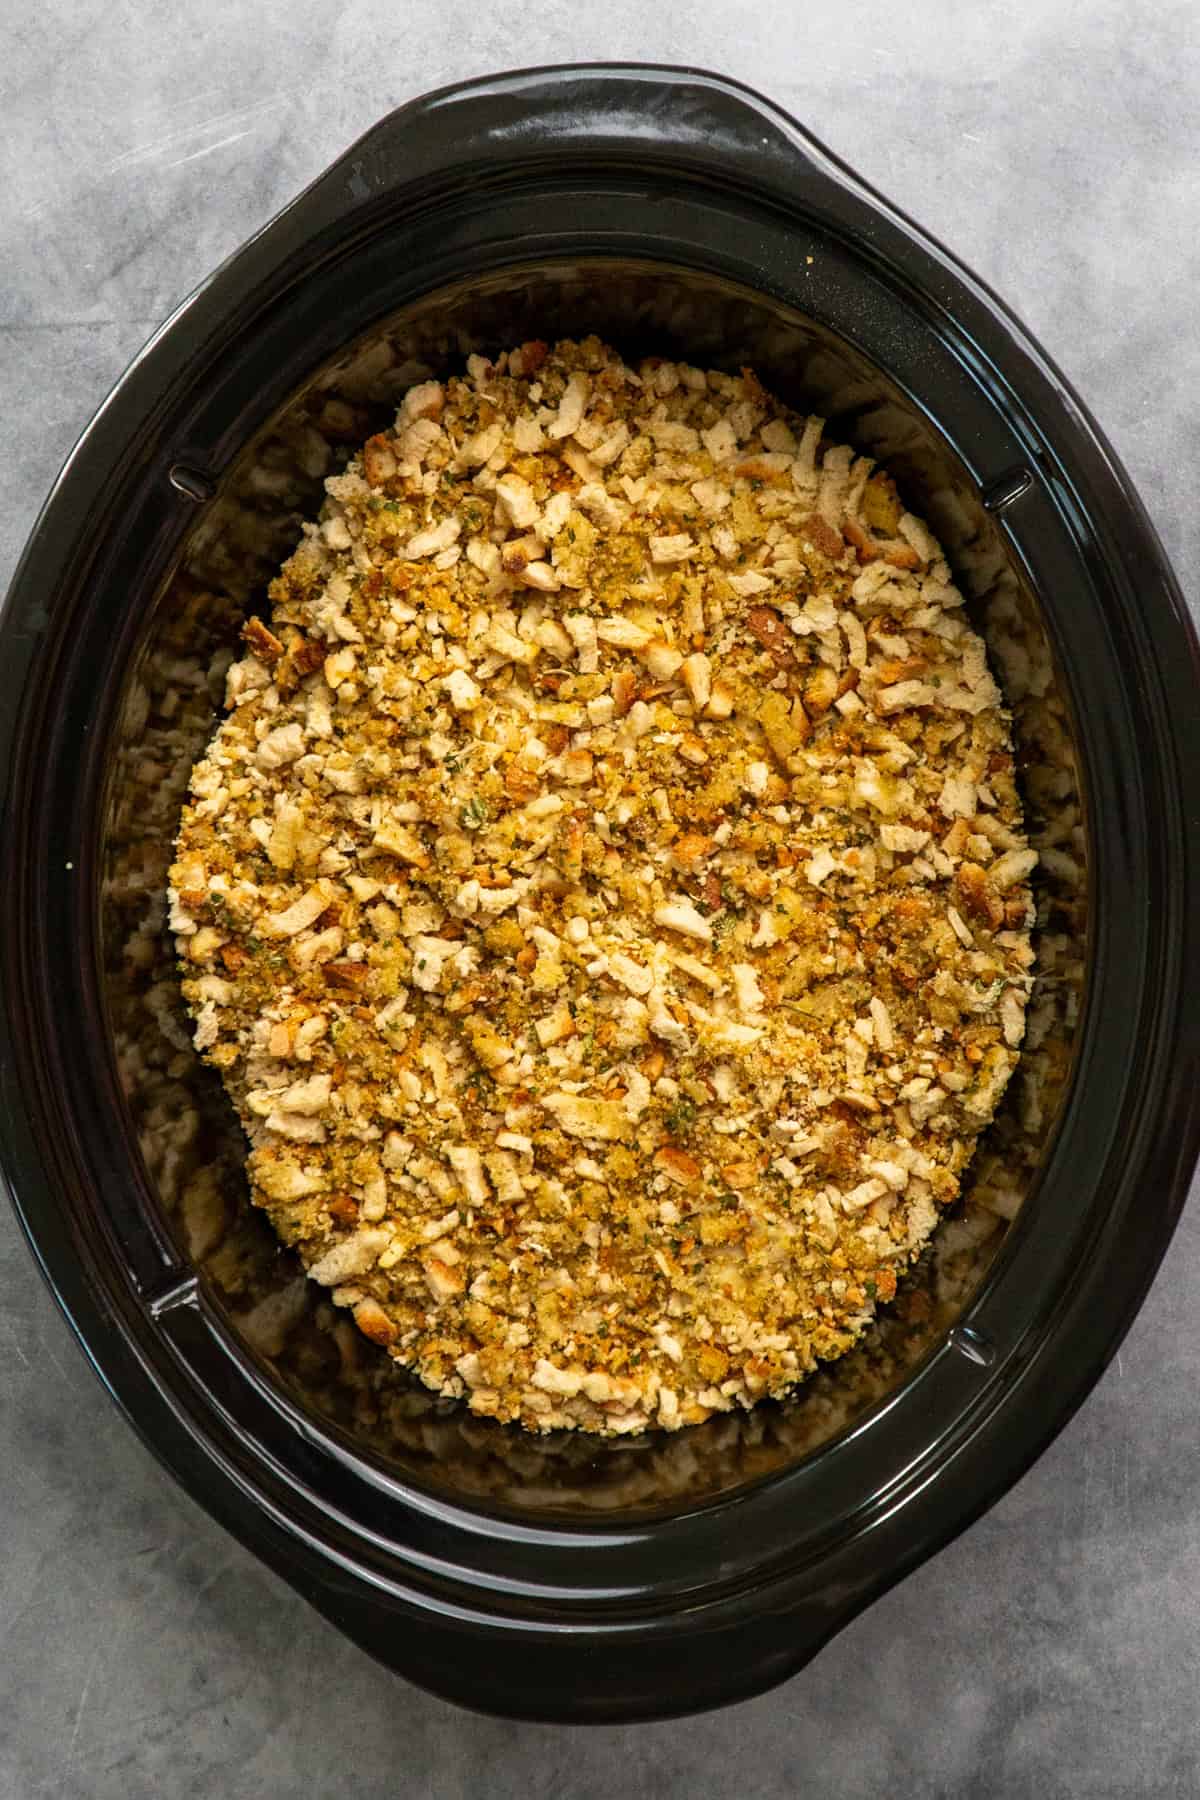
x=606, y=898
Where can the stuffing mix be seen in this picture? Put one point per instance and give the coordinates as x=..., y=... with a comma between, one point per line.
x=606, y=898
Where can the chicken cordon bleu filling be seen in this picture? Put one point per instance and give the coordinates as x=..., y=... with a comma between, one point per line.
x=606, y=898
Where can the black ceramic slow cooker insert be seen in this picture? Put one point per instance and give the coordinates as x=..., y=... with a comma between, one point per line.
x=672, y=212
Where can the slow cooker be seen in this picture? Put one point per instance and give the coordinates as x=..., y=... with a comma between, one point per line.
x=568, y=1578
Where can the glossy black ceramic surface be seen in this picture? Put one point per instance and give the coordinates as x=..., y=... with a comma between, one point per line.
x=568, y=1579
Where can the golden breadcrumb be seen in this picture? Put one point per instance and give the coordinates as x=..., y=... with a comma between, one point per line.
x=606, y=899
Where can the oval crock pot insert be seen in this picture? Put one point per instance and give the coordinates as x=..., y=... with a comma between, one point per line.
x=189, y=1138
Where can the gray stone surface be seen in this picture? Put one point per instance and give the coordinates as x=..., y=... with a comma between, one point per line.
x=1052, y=1651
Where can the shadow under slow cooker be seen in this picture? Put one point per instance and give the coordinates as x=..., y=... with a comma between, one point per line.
x=246, y=1305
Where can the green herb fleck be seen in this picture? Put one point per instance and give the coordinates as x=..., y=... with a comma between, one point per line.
x=680, y=1117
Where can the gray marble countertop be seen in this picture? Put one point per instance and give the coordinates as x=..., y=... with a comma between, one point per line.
x=1051, y=1651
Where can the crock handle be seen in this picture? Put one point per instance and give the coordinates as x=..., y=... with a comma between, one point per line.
x=547, y=116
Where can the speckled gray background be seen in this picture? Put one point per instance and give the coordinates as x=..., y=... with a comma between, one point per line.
x=1053, y=1651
